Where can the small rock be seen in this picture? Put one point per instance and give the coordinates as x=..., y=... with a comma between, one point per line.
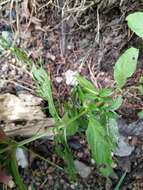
x=21, y=158
x=132, y=129
x=73, y=186
x=92, y=161
x=123, y=149
x=71, y=77
x=80, y=154
x=2, y=83
x=50, y=56
x=7, y=36
x=83, y=170
x=59, y=79
x=13, y=60
x=75, y=144
x=11, y=184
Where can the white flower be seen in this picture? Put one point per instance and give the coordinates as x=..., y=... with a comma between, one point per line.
x=71, y=77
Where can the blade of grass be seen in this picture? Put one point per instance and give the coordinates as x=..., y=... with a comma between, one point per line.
x=42, y=158
x=35, y=137
x=121, y=181
x=44, y=89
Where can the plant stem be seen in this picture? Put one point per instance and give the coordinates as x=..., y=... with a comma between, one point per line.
x=42, y=158
x=50, y=130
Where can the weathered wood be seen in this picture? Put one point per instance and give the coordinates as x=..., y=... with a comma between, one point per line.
x=30, y=128
x=22, y=115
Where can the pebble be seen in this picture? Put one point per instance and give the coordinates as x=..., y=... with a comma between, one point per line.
x=73, y=186
x=75, y=144
x=83, y=170
x=92, y=161
x=21, y=157
x=13, y=60
x=123, y=148
x=7, y=36
x=79, y=154
x=59, y=79
x=50, y=56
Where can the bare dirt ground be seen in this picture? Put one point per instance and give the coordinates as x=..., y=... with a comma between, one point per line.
x=88, y=42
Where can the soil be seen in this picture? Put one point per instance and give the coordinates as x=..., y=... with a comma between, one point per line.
x=90, y=44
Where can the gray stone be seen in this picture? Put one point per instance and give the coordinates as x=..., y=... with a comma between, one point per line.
x=132, y=129
x=7, y=36
x=83, y=170
x=123, y=148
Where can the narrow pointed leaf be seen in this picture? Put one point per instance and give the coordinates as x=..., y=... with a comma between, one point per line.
x=87, y=85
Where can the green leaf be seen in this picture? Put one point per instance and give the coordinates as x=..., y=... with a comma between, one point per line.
x=105, y=92
x=65, y=153
x=140, y=88
x=116, y=103
x=140, y=114
x=44, y=88
x=72, y=128
x=87, y=85
x=121, y=181
x=125, y=66
x=135, y=23
x=100, y=146
x=141, y=79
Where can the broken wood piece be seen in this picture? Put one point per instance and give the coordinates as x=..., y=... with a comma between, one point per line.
x=24, y=107
x=30, y=128
x=22, y=115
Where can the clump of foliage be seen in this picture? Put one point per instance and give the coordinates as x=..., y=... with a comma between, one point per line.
x=89, y=110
